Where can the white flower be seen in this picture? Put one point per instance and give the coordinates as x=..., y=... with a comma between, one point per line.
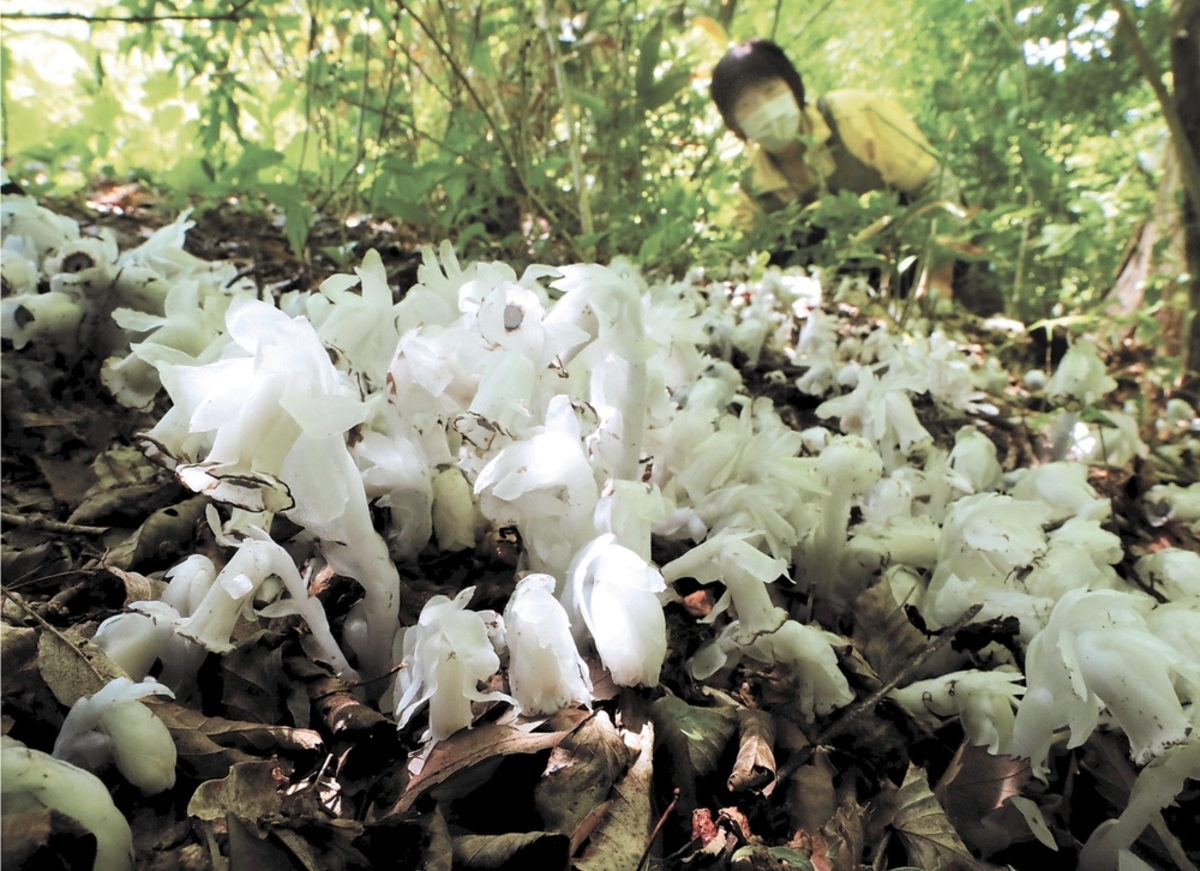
x=230, y=595
x=456, y=517
x=83, y=268
x=274, y=400
x=114, y=721
x=631, y=511
x=28, y=316
x=264, y=428
x=361, y=327
x=19, y=272
x=608, y=306
x=400, y=479
x=1172, y=502
x=614, y=594
x=880, y=410
x=985, y=700
x=986, y=537
x=1081, y=554
x=189, y=325
x=1080, y=375
x=744, y=570
x=22, y=217
x=974, y=457
x=545, y=670
x=34, y=781
x=849, y=466
x=446, y=655
x=1063, y=487
x=1156, y=787
x=1097, y=652
x=148, y=632
x=807, y=653
x=1175, y=570
x=545, y=486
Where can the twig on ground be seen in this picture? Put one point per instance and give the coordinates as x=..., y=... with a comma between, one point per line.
x=48, y=525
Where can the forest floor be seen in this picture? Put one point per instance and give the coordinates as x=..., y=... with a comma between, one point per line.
x=281, y=766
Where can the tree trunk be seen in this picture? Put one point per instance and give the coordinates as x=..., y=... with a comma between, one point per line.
x=1185, y=69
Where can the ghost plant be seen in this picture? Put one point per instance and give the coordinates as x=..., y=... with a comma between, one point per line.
x=446, y=656
x=748, y=474
x=762, y=631
x=263, y=428
x=880, y=410
x=35, y=781
x=612, y=595
x=1173, y=570
x=983, y=700
x=986, y=538
x=608, y=307
x=974, y=457
x=115, y=724
x=1080, y=376
x=545, y=671
x=1172, y=502
x=848, y=467
x=1098, y=653
x=360, y=327
x=1156, y=787
x=188, y=328
x=231, y=596
x=545, y=486
x=148, y=632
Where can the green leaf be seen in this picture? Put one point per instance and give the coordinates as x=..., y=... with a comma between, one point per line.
x=298, y=215
x=599, y=108
x=160, y=87
x=475, y=230
x=651, y=248
x=1058, y=239
x=665, y=89
x=648, y=53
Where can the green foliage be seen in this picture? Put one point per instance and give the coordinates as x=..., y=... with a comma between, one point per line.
x=584, y=129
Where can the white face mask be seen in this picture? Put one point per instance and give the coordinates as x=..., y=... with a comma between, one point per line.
x=775, y=124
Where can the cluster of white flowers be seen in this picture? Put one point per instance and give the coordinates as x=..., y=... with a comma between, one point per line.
x=591, y=412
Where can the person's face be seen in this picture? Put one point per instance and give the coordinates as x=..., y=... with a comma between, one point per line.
x=757, y=95
x=768, y=114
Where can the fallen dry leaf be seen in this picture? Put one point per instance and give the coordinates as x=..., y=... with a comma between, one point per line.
x=548, y=850
x=811, y=797
x=468, y=748
x=620, y=840
x=255, y=684
x=580, y=773
x=249, y=791
x=887, y=639
x=163, y=536
x=974, y=790
x=73, y=666
x=694, y=738
x=45, y=839
x=925, y=829
x=125, y=484
x=754, y=767
x=209, y=746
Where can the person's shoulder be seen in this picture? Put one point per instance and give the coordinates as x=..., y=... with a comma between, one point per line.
x=851, y=96
x=845, y=101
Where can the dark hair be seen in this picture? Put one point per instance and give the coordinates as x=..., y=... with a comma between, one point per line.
x=749, y=64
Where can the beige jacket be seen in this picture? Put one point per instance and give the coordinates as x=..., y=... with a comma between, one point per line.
x=886, y=151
